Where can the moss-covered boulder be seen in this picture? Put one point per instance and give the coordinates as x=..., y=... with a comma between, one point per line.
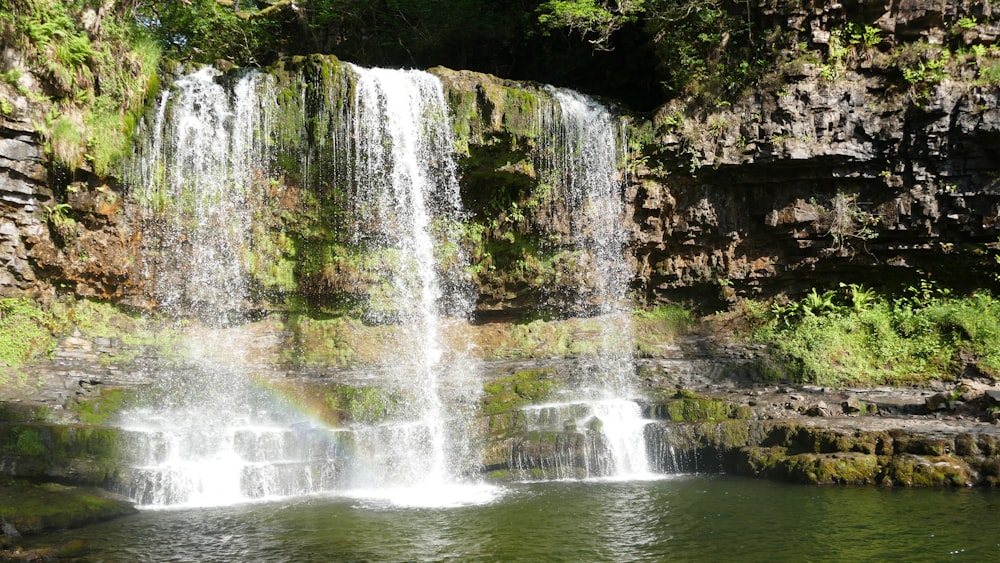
x=911, y=470
x=685, y=406
x=34, y=508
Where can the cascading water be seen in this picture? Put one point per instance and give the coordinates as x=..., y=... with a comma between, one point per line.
x=215, y=435
x=407, y=202
x=583, y=142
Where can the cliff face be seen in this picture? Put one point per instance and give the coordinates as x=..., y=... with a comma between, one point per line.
x=868, y=153
x=59, y=232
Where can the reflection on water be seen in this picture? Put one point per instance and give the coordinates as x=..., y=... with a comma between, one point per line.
x=685, y=518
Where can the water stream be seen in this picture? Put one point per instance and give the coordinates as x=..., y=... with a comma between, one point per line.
x=406, y=195
x=584, y=145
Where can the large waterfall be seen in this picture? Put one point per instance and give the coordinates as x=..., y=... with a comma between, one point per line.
x=217, y=436
x=407, y=201
x=215, y=430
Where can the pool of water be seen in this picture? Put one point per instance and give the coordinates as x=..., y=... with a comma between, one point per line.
x=681, y=518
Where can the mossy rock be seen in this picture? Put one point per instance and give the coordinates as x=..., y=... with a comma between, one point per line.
x=103, y=408
x=910, y=470
x=524, y=387
x=365, y=404
x=852, y=468
x=34, y=508
x=76, y=453
x=697, y=409
x=23, y=412
x=339, y=404
x=759, y=461
x=904, y=442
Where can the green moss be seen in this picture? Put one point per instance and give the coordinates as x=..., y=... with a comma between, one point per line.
x=825, y=469
x=34, y=508
x=24, y=331
x=103, y=408
x=23, y=412
x=698, y=410
x=130, y=330
x=364, y=404
x=733, y=434
x=320, y=341
x=762, y=461
x=908, y=470
x=686, y=406
x=508, y=393
x=28, y=442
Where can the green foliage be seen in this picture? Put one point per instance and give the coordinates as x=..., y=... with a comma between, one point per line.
x=967, y=23
x=709, y=51
x=93, y=76
x=65, y=141
x=863, y=35
x=595, y=20
x=853, y=336
x=852, y=40
x=923, y=66
x=846, y=222
x=59, y=216
x=990, y=74
x=207, y=30
x=24, y=331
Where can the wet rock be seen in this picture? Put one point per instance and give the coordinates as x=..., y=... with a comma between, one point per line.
x=819, y=409
x=853, y=406
x=939, y=402
x=993, y=395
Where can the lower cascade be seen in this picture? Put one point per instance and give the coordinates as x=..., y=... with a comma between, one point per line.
x=216, y=433
x=580, y=440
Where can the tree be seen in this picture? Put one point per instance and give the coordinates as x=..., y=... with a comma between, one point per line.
x=595, y=20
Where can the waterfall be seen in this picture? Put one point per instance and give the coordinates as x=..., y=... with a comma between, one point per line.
x=217, y=435
x=584, y=148
x=582, y=439
x=408, y=207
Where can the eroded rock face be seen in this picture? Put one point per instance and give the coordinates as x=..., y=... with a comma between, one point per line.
x=59, y=231
x=842, y=169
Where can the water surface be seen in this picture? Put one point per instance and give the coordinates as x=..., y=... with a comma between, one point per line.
x=683, y=518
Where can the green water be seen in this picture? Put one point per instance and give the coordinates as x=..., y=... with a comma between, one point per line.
x=685, y=518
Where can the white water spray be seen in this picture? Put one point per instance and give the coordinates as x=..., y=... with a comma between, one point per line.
x=584, y=140
x=407, y=199
x=216, y=437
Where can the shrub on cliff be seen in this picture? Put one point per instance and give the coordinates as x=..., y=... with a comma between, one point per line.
x=85, y=70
